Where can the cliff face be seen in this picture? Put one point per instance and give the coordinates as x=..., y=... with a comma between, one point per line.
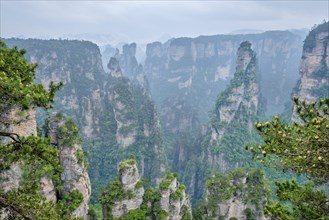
x=187, y=74
x=128, y=60
x=78, y=65
x=240, y=194
x=74, y=176
x=132, y=192
x=173, y=199
x=126, y=197
x=221, y=146
x=136, y=122
x=116, y=116
x=201, y=67
x=22, y=123
x=242, y=93
x=314, y=71
x=234, y=109
x=131, y=68
x=71, y=157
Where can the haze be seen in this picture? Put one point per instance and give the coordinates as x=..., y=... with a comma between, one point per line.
x=147, y=21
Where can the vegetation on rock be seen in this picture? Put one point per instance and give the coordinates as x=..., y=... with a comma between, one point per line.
x=34, y=155
x=250, y=187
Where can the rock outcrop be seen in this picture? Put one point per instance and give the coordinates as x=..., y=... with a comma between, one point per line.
x=200, y=67
x=78, y=65
x=243, y=92
x=129, y=195
x=116, y=116
x=130, y=67
x=314, y=67
x=240, y=194
x=62, y=134
x=74, y=176
x=128, y=61
x=126, y=197
x=174, y=201
x=231, y=125
x=234, y=109
x=136, y=120
x=21, y=123
x=241, y=99
x=187, y=74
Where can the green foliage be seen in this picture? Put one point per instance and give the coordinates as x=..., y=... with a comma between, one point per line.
x=16, y=82
x=220, y=188
x=299, y=202
x=151, y=205
x=257, y=192
x=82, y=159
x=165, y=183
x=70, y=202
x=249, y=186
x=303, y=148
x=69, y=134
x=186, y=214
x=95, y=211
x=92, y=214
x=114, y=192
x=19, y=204
x=162, y=215
x=249, y=214
x=136, y=214
x=31, y=149
x=288, y=146
x=33, y=155
x=179, y=193
x=138, y=114
x=126, y=164
x=37, y=159
x=139, y=184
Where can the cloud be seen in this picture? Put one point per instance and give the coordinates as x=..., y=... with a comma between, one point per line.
x=144, y=21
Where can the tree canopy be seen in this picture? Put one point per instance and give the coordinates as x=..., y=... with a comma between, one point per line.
x=17, y=87
x=34, y=156
x=302, y=147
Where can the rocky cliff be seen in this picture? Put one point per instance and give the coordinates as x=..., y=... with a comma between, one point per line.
x=241, y=99
x=126, y=198
x=131, y=68
x=134, y=123
x=116, y=116
x=78, y=65
x=173, y=199
x=234, y=110
x=221, y=146
x=64, y=135
x=201, y=67
x=22, y=123
x=73, y=179
x=241, y=195
x=314, y=66
x=187, y=74
x=128, y=189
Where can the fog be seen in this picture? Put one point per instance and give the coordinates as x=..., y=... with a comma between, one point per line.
x=145, y=21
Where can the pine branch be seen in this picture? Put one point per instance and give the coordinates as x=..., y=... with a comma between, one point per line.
x=13, y=136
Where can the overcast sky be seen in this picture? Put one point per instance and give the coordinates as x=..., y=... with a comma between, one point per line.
x=146, y=21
